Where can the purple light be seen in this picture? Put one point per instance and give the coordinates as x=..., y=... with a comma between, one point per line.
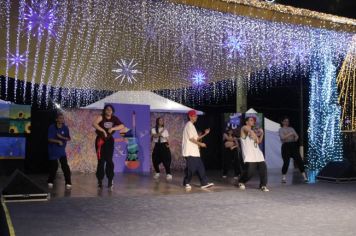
x=40, y=17
x=198, y=78
x=17, y=59
x=235, y=45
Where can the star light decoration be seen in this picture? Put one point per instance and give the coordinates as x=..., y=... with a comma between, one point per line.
x=185, y=43
x=17, y=59
x=126, y=71
x=40, y=18
x=235, y=45
x=198, y=78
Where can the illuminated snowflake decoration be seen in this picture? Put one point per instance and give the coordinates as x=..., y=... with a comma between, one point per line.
x=150, y=33
x=186, y=43
x=198, y=78
x=235, y=45
x=17, y=59
x=40, y=18
x=297, y=53
x=126, y=71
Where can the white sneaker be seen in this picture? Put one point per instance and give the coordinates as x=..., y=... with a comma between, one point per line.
x=50, y=185
x=242, y=186
x=208, y=185
x=188, y=187
x=236, y=177
x=264, y=189
x=68, y=186
x=284, y=180
x=156, y=176
x=224, y=176
x=169, y=177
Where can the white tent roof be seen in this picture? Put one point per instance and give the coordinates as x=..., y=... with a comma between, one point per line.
x=157, y=103
x=269, y=124
x=4, y=102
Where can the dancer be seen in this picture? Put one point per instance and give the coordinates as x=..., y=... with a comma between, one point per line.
x=252, y=155
x=231, y=154
x=58, y=136
x=289, y=149
x=190, y=150
x=161, y=152
x=105, y=125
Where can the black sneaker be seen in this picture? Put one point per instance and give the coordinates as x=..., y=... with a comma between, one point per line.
x=100, y=184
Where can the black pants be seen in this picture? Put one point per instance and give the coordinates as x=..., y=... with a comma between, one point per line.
x=53, y=167
x=105, y=151
x=161, y=154
x=290, y=150
x=194, y=165
x=249, y=171
x=232, y=158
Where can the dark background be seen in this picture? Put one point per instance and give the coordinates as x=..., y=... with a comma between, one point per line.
x=346, y=8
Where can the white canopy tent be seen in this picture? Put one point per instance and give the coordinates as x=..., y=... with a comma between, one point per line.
x=272, y=142
x=157, y=103
x=4, y=102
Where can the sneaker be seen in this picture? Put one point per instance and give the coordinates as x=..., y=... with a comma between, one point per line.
x=188, y=187
x=241, y=186
x=208, y=185
x=236, y=177
x=50, y=185
x=284, y=180
x=224, y=176
x=306, y=181
x=111, y=184
x=100, y=184
x=264, y=189
x=68, y=186
x=156, y=176
x=169, y=177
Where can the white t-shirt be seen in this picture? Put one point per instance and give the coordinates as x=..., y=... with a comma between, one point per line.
x=164, y=136
x=188, y=147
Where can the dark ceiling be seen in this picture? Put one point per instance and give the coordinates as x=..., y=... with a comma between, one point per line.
x=346, y=8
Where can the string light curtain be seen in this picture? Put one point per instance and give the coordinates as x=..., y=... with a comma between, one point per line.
x=78, y=44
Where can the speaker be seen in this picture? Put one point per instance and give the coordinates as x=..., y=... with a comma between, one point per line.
x=21, y=188
x=341, y=171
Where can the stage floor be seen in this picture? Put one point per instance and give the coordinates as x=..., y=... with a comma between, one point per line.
x=138, y=205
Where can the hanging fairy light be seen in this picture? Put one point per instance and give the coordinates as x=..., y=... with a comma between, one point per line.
x=167, y=39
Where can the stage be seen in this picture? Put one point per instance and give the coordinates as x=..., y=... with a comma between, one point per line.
x=138, y=205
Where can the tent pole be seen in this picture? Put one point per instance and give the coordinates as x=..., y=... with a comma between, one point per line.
x=241, y=96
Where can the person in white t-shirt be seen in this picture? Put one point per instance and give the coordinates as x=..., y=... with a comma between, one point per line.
x=161, y=152
x=252, y=154
x=190, y=150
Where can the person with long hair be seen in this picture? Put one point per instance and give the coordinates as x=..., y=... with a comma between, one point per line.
x=252, y=154
x=289, y=138
x=231, y=154
x=105, y=126
x=161, y=152
x=191, y=143
x=58, y=136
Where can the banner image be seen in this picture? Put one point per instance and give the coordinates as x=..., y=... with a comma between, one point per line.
x=132, y=151
x=15, y=119
x=12, y=147
x=237, y=120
